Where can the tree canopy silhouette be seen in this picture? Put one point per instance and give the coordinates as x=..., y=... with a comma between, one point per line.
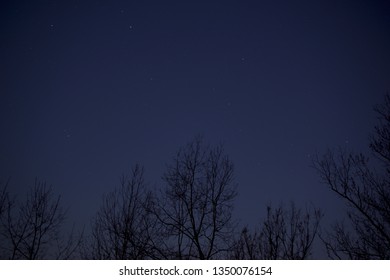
x=365, y=189
x=123, y=227
x=285, y=234
x=195, y=206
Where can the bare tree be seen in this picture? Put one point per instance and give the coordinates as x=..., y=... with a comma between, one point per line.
x=3, y=207
x=284, y=234
x=3, y=199
x=367, y=196
x=31, y=232
x=380, y=140
x=68, y=246
x=366, y=192
x=195, y=209
x=123, y=228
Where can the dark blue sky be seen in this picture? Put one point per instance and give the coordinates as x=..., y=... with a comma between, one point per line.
x=89, y=88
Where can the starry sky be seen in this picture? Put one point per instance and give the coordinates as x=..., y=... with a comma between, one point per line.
x=89, y=88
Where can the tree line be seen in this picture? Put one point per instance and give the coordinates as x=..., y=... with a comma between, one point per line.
x=190, y=217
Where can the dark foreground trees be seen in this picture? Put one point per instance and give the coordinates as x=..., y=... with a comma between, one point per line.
x=3, y=207
x=365, y=189
x=285, y=234
x=3, y=198
x=191, y=218
x=31, y=229
x=195, y=206
x=124, y=228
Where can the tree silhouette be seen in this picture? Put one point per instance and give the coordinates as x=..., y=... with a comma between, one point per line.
x=286, y=234
x=3, y=199
x=195, y=208
x=366, y=192
x=3, y=207
x=31, y=232
x=123, y=228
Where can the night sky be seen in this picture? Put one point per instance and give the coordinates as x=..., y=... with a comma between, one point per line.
x=90, y=88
